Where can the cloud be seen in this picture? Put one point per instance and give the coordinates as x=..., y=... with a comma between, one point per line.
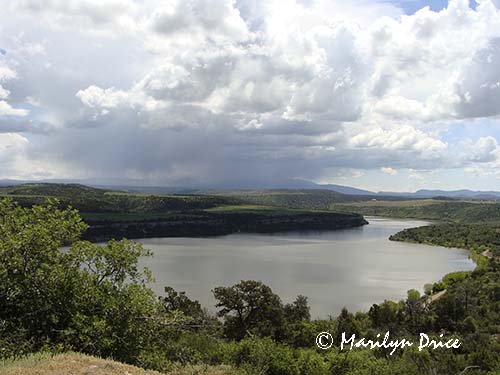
x=7, y=110
x=12, y=148
x=485, y=150
x=88, y=16
x=357, y=174
x=182, y=91
x=388, y=170
x=217, y=19
x=403, y=138
x=479, y=172
x=96, y=97
x=335, y=89
x=6, y=73
x=478, y=90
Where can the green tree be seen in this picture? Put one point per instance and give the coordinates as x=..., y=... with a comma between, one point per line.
x=178, y=301
x=414, y=309
x=346, y=323
x=37, y=280
x=298, y=310
x=88, y=298
x=249, y=307
x=386, y=315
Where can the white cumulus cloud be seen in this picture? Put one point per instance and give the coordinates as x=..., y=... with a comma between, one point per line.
x=388, y=170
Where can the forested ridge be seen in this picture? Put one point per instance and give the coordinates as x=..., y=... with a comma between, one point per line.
x=479, y=238
x=120, y=214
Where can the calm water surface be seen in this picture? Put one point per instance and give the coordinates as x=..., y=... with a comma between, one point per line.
x=353, y=268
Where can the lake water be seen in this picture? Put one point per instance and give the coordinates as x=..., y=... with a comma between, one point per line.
x=353, y=268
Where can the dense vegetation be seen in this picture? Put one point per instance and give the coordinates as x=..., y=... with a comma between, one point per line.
x=479, y=238
x=299, y=199
x=91, y=200
x=94, y=299
x=444, y=211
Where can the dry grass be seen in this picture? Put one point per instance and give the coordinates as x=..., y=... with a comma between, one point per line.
x=79, y=364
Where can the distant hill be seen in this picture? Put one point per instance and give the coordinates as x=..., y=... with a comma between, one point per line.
x=290, y=184
x=7, y=182
x=458, y=194
x=90, y=199
x=294, y=198
x=51, y=190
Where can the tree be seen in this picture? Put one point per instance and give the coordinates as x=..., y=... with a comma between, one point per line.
x=386, y=315
x=89, y=298
x=178, y=301
x=36, y=278
x=298, y=310
x=414, y=309
x=346, y=323
x=249, y=307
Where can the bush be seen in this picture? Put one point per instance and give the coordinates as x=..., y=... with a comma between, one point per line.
x=265, y=356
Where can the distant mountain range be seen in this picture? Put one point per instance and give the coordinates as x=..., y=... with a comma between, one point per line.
x=467, y=194
x=423, y=193
x=296, y=184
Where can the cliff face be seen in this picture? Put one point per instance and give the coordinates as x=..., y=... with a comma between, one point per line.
x=215, y=224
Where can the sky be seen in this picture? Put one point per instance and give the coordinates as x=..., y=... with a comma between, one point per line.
x=376, y=94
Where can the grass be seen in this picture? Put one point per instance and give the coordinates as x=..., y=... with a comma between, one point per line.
x=80, y=364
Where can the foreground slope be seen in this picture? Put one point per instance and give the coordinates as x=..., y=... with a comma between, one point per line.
x=80, y=364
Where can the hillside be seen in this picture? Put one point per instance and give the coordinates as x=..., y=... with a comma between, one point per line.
x=314, y=199
x=40, y=189
x=118, y=214
x=88, y=199
x=80, y=364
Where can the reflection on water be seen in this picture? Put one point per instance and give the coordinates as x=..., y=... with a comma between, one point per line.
x=353, y=268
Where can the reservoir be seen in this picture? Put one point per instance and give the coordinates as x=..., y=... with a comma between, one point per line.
x=351, y=268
